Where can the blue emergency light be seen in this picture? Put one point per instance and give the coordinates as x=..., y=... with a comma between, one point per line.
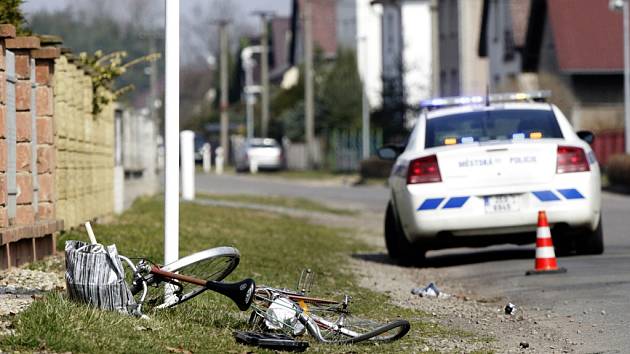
x=441, y=102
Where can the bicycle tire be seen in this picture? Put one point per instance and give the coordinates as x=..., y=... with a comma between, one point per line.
x=211, y=264
x=367, y=330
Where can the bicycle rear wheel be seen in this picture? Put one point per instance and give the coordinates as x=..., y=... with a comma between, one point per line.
x=212, y=264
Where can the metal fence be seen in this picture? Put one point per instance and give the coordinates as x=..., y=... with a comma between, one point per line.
x=607, y=144
x=344, y=149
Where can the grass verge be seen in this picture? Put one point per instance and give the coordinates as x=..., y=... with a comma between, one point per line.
x=318, y=175
x=273, y=251
x=285, y=202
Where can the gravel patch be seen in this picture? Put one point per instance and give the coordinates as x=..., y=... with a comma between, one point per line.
x=19, y=287
x=528, y=330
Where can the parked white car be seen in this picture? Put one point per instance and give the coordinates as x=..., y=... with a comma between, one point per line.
x=265, y=153
x=476, y=170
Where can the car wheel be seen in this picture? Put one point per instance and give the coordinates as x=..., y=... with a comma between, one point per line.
x=591, y=242
x=562, y=242
x=398, y=247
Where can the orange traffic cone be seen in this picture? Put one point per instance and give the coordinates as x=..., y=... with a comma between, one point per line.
x=545, y=254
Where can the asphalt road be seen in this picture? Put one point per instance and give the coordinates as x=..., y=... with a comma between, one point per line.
x=372, y=198
x=589, y=304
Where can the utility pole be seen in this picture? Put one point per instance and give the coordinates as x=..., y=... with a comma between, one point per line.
x=152, y=71
x=365, y=107
x=153, y=104
x=435, y=49
x=224, y=87
x=153, y=84
x=248, y=64
x=264, y=66
x=308, y=84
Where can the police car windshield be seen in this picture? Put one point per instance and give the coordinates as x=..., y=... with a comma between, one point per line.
x=480, y=126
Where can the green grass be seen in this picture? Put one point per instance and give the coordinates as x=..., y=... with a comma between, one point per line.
x=273, y=251
x=285, y=202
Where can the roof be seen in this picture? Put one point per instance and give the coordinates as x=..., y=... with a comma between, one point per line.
x=588, y=36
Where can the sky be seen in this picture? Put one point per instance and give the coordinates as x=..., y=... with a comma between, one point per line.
x=193, y=17
x=280, y=7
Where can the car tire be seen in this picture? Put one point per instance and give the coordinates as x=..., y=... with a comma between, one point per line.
x=562, y=242
x=591, y=242
x=398, y=247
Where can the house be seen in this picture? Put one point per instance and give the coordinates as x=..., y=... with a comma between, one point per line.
x=391, y=38
x=572, y=47
x=458, y=68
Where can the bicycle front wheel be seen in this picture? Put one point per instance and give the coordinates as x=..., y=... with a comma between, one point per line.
x=348, y=329
x=212, y=264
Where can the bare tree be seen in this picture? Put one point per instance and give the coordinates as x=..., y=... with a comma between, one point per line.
x=201, y=35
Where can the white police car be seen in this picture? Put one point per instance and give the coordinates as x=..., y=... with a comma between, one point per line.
x=476, y=170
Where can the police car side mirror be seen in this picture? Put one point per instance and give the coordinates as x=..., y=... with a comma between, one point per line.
x=390, y=152
x=587, y=136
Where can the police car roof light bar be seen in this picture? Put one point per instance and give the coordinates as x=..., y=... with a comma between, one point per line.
x=442, y=102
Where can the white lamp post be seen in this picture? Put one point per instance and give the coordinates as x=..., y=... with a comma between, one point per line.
x=171, y=134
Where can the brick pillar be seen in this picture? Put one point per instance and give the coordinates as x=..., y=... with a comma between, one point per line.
x=46, y=152
x=6, y=32
x=22, y=47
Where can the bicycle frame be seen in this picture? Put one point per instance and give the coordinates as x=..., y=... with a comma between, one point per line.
x=313, y=323
x=310, y=321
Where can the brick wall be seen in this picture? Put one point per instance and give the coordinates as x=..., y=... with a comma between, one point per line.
x=63, y=165
x=84, y=145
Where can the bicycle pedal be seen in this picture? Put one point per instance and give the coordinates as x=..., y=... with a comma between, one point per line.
x=274, y=341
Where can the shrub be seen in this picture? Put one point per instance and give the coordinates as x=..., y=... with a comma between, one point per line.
x=11, y=13
x=618, y=170
x=375, y=168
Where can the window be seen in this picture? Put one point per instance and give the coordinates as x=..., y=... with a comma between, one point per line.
x=480, y=126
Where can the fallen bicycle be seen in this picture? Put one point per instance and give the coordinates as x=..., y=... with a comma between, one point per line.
x=328, y=321
x=95, y=274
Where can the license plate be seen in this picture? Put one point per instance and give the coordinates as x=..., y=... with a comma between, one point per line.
x=502, y=203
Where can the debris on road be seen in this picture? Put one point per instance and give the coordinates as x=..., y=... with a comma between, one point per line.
x=510, y=309
x=430, y=290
